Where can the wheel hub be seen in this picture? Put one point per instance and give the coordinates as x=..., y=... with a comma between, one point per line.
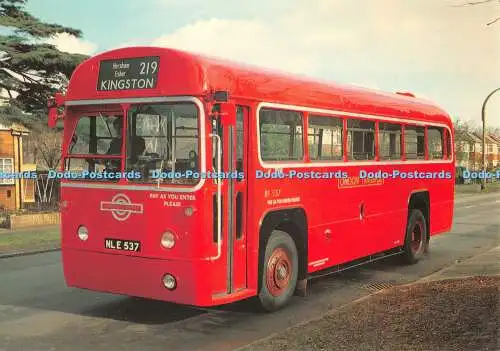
x=416, y=237
x=278, y=272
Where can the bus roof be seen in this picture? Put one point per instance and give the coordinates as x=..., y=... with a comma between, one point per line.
x=183, y=73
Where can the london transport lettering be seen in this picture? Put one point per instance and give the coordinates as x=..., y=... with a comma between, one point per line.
x=127, y=74
x=354, y=182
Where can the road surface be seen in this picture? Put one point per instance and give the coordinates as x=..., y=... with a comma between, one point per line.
x=38, y=312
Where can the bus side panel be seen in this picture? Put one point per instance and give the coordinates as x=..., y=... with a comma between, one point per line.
x=385, y=210
x=441, y=208
x=331, y=217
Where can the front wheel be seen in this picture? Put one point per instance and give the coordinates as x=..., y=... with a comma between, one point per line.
x=416, y=239
x=279, y=271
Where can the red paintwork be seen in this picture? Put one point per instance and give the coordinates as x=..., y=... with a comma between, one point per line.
x=330, y=205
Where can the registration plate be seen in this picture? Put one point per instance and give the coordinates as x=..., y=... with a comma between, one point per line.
x=122, y=245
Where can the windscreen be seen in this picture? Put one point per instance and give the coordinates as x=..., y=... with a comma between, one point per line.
x=95, y=147
x=161, y=145
x=163, y=142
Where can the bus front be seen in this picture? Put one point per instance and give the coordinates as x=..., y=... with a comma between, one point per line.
x=138, y=216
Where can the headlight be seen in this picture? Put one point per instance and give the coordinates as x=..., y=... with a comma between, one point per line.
x=168, y=240
x=169, y=282
x=83, y=233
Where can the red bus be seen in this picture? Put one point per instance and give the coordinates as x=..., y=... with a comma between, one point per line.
x=192, y=180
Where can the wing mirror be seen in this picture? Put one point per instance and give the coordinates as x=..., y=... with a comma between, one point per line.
x=54, y=104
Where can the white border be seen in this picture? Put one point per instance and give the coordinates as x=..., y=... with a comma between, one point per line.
x=179, y=189
x=341, y=163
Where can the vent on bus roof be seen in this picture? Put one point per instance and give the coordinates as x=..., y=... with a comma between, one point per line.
x=405, y=93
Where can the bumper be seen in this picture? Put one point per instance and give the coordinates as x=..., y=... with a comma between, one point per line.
x=137, y=276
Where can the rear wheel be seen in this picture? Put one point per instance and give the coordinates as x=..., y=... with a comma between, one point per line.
x=279, y=271
x=416, y=240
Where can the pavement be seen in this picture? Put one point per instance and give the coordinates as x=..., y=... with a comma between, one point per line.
x=38, y=312
x=486, y=264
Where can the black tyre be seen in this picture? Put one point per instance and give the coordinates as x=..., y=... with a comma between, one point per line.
x=279, y=271
x=416, y=240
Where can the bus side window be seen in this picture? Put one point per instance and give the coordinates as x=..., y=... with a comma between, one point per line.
x=325, y=135
x=435, y=142
x=281, y=137
x=390, y=141
x=414, y=142
x=360, y=139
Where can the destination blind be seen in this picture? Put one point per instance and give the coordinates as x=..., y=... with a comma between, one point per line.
x=128, y=74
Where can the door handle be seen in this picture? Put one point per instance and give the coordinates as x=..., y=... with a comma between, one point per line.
x=361, y=211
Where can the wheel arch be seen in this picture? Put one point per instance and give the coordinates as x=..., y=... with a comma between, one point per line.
x=293, y=221
x=420, y=200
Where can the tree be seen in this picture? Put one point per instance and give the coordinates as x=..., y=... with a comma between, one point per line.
x=463, y=127
x=46, y=148
x=43, y=145
x=30, y=70
x=463, y=142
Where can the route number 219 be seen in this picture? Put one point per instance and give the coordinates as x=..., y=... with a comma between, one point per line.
x=148, y=67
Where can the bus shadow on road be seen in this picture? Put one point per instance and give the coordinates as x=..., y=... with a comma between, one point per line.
x=360, y=277
x=112, y=307
x=144, y=311
x=152, y=312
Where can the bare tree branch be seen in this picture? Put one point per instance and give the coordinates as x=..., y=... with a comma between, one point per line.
x=495, y=20
x=472, y=3
x=47, y=145
x=479, y=2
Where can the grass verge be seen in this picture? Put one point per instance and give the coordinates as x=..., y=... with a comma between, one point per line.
x=39, y=238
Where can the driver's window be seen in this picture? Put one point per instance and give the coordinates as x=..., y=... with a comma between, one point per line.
x=94, y=134
x=81, y=137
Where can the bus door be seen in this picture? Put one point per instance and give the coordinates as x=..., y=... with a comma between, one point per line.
x=238, y=191
x=234, y=141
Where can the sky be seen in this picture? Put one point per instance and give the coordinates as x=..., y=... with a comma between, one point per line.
x=436, y=49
